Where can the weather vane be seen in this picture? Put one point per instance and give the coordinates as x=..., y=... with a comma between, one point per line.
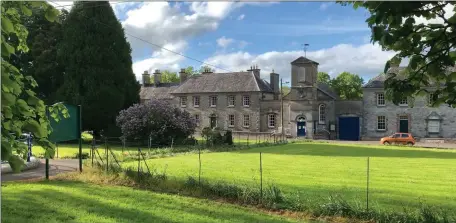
x=305, y=45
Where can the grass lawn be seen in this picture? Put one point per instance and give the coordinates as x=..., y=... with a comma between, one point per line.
x=71, y=201
x=399, y=176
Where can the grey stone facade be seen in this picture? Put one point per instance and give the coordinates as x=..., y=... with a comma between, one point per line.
x=303, y=103
x=416, y=115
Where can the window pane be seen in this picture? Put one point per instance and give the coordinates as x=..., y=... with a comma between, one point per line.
x=404, y=135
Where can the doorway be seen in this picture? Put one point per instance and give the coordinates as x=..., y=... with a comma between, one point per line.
x=213, y=120
x=301, y=127
x=403, y=124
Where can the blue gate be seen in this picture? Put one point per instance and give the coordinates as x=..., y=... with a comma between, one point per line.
x=349, y=128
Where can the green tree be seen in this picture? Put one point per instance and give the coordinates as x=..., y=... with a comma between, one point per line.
x=22, y=111
x=40, y=61
x=430, y=46
x=205, y=67
x=98, y=66
x=348, y=86
x=323, y=77
x=169, y=77
x=286, y=90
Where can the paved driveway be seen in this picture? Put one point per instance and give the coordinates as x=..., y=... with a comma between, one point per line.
x=55, y=167
x=418, y=144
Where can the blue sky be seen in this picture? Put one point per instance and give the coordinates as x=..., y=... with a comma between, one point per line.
x=232, y=36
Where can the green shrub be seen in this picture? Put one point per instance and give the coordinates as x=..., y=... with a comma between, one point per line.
x=229, y=137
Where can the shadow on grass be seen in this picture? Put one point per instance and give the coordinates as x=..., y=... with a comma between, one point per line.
x=350, y=151
x=61, y=201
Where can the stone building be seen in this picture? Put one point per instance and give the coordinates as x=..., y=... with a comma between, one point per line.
x=415, y=116
x=242, y=101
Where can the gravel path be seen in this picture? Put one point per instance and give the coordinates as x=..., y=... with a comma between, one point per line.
x=55, y=167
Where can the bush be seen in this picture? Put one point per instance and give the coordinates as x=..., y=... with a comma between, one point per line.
x=229, y=138
x=215, y=137
x=157, y=119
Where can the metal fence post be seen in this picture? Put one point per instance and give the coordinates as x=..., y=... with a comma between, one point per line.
x=199, y=160
x=261, y=178
x=92, y=153
x=367, y=186
x=139, y=163
x=47, y=169
x=107, y=155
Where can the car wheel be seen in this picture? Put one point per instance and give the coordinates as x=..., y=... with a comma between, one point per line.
x=386, y=143
x=410, y=144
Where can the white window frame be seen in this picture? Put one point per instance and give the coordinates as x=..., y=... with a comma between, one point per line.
x=246, y=121
x=231, y=100
x=231, y=120
x=381, y=98
x=322, y=114
x=213, y=101
x=183, y=101
x=401, y=103
x=195, y=100
x=246, y=101
x=431, y=128
x=381, y=119
x=197, y=119
x=271, y=120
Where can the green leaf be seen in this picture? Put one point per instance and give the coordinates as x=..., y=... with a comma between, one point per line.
x=7, y=25
x=7, y=49
x=51, y=14
x=7, y=112
x=34, y=127
x=453, y=76
x=8, y=99
x=32, y=100
x=6, y=125
x=26, y=10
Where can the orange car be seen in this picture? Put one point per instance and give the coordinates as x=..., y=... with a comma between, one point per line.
x=398, y=138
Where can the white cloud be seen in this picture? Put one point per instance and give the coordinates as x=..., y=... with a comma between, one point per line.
x=365, y=60
x=224, y=42
x=324, y=5
x=164, y=24
x=243, y=44
x=241, y=17
x=448, y=12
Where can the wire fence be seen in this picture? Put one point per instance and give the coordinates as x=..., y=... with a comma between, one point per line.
x=370, y=182
x=351, y=177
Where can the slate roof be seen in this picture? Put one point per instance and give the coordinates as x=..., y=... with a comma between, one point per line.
x=224, y=82
x=303, y=60
x=378, y=81
x=327, y=90
x=162, y=91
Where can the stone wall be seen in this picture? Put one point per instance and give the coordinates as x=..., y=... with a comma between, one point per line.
x=417, y=115
x=222, y=111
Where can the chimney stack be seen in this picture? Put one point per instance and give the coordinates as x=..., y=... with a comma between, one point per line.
x=255, y=70
x=274, y=82
x=207, y=70
x=146, y=78
x=157, y=78
x=183, y=76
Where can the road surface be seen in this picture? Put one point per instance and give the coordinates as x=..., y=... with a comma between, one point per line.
x=55, y=167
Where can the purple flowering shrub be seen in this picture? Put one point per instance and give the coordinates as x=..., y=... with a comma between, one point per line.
x=157, y=119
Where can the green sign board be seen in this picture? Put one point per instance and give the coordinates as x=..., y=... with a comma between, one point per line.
x=67, y=129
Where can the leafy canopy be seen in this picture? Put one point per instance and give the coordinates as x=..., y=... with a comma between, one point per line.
x=22, y=111
x=98, y=66
x=157, y=119
x=323, y=77
x=424, y=33
x=348, y=86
